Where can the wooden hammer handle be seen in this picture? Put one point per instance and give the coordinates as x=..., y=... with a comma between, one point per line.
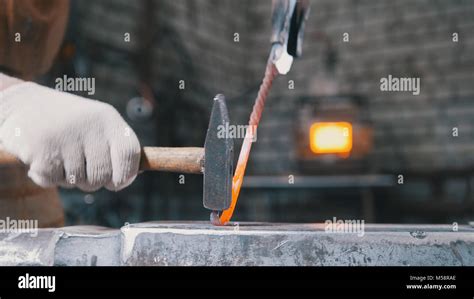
x=172, y=159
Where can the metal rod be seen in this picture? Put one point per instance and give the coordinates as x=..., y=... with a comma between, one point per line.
x=270, y=73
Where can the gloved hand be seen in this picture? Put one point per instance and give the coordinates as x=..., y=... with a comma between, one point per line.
x=67, y=140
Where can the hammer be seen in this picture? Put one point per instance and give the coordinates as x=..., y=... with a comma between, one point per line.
x=214, y=160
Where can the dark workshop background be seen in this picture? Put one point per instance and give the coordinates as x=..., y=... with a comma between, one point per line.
x=194, y=41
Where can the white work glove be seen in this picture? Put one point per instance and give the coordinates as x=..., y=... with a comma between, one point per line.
x=67, y=140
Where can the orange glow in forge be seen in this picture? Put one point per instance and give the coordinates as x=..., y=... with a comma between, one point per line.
x=331, y=138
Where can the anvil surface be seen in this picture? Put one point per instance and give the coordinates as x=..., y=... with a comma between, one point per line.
x=242, y=244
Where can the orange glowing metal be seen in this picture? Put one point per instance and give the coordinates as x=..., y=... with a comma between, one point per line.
x=270, y=73
x=330, y=137
x=238, y=178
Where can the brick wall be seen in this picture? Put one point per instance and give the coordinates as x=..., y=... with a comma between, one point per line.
x=400, y=38
x=195, y=43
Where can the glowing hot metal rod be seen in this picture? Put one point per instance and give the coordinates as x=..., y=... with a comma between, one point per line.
x=288, y=19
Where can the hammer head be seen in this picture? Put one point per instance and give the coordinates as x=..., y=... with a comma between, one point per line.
x=218, y=159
